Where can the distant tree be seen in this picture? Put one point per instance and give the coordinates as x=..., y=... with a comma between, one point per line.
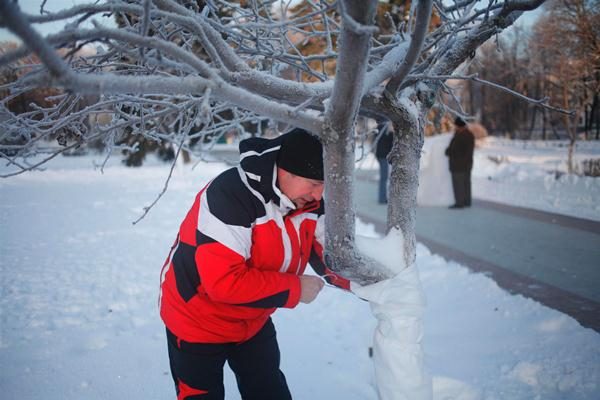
x=22, y=101
x=571, y=76
x=499, y=61
x=512, y=62
x=29, y=103
x=529, y=63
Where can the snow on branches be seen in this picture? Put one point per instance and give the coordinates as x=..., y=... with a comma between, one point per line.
x=189, y=72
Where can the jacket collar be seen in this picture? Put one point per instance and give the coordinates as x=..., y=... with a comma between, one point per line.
x=258, y=162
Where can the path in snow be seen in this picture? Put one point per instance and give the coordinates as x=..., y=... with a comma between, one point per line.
x=550, y=258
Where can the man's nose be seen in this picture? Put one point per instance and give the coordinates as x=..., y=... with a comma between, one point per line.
x=317, y=193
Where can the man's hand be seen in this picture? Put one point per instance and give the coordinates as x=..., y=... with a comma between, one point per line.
x=310, y=288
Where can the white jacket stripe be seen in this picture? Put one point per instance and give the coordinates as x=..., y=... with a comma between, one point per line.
x=237, y=238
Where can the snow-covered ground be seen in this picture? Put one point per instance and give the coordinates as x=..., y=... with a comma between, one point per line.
x=527, y=174
x=533, y=174
x=79, y=288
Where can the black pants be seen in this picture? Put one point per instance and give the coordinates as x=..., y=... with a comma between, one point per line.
x=197, y=368
x=383, y=178
x=461, y=184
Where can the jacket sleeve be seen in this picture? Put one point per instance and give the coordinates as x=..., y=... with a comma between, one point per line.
x=224, y=241
x=316, y=259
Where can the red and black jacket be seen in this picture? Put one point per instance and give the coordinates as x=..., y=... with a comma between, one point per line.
x=239, y=253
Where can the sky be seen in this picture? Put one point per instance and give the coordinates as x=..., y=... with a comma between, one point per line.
x=33, y=7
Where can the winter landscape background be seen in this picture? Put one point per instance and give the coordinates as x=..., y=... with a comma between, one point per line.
x=79, y=290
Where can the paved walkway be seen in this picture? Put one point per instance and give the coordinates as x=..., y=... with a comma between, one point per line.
x=551, y=258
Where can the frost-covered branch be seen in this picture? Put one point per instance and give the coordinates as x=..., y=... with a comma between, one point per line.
x=479, y=33
x=422, y=17
x=538, y=102
x=166, y=185
x=105, y=82
x=15, y=21
x=351, y=65
x=177, y=73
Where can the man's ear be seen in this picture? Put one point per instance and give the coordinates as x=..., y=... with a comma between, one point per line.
x=286, y=173
x=282, y=174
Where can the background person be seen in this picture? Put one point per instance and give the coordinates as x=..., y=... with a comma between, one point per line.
x=460, y=161
x=382, y=149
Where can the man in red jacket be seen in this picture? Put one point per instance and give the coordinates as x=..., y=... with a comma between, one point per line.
x=240, y=254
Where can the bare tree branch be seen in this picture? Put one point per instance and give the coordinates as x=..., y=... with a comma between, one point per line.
x=538, y=102
x=477, y=35
x=172, y=73
x=423, y=15
x=166, y=185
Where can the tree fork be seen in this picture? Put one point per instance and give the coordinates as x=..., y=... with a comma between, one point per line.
x=338, y=140
x=404, y=158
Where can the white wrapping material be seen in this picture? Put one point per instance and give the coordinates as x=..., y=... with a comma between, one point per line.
x=398, y=305
x=435, y=181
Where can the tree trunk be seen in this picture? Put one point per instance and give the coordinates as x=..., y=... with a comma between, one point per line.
x=594, y=113
x=532, y=125
x=571, y=131
x=185, y=156
x=544, y=112
x=338, y=142
x=587, y=119
x=471, y=91
x=570, y=155
x=544, y=124
x=404, y=179
x=486, y=121
x=399, y=303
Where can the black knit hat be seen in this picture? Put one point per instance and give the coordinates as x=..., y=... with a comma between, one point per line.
x=301, y=154
x=459, y=122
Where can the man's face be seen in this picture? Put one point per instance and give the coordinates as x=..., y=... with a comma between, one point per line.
x=298, y=189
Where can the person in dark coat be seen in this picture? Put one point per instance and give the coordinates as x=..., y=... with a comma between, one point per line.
x=382, y=149
x=460, y=160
